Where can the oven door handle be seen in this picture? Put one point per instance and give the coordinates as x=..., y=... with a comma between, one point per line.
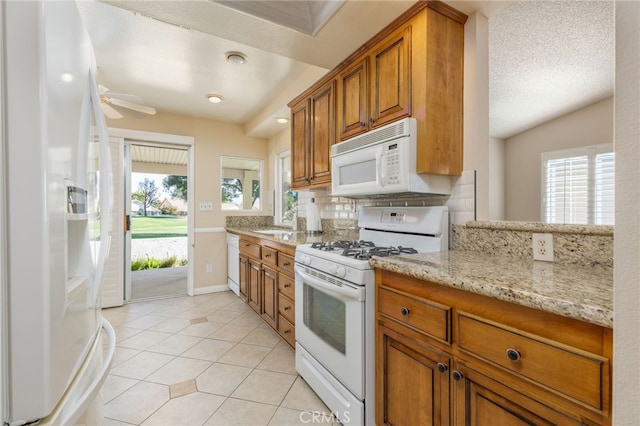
x=344, y=290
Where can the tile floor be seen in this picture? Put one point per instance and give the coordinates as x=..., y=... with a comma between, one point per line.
x=203, y=360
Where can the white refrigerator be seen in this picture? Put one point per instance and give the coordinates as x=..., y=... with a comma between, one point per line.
x=55, y=347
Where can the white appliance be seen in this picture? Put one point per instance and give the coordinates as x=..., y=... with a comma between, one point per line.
x=233, y=262
x=382, y=162
x=335, y=306
x=56, y=201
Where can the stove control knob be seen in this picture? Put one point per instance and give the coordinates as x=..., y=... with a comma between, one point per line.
x=306, y=259
x=341, y=271
x=333, y=269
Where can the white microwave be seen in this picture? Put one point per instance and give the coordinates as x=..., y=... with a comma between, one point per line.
x=382, y=163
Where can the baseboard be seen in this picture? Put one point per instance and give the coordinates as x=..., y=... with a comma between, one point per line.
x=210, y=289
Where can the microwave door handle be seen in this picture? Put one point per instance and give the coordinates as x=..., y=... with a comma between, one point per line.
x=347, y=291
x=382, y=167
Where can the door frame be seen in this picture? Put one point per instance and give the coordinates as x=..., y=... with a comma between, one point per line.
x=166, y=140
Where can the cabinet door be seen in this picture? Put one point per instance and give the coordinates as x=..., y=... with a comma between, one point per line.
x=353, y=115
x=244, y=277
x=390, y=78
x=322, y=133
x=481, y=401
x=269, y=309
x=300, y=145
x=255, y=276
x=410, y=388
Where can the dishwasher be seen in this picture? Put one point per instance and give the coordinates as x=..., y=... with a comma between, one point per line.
x=233, y=263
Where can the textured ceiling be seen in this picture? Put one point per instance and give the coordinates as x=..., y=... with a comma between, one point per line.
x=548, y=58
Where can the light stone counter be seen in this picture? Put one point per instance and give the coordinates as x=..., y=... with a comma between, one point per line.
x=575, y=291
x=293, y=238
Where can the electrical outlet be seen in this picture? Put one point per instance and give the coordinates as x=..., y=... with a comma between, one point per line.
x=205, y=206
x=543, y=247
x=209, y=267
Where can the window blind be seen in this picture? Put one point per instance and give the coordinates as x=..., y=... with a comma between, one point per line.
x=578, y=186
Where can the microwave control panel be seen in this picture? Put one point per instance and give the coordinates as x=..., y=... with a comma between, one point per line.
x=392, y=164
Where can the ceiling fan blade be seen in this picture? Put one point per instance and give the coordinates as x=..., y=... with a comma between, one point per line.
x=133, y=106
x=123, y=97
x=110, y=112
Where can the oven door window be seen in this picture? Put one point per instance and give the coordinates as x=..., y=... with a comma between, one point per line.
x=325, y=315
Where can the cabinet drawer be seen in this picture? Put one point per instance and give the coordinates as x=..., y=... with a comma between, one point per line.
x=269, y=256
x=286, y=308
x=424, y=316
x=250, y=249
x=285, y=263
x=287, y=330
x=286, y=285
x=571, y=371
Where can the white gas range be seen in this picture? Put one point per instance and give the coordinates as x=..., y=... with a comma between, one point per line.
x=335, y=309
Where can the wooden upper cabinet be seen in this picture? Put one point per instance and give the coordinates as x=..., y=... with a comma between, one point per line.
x=352, y=100
x=312, y=134
x=412, y=68
x=437, y=88
x=391, y=78
x=322, y=133
x=376, y=89
x=299, y=144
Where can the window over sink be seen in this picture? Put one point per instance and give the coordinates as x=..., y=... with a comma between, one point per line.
x=286, y=200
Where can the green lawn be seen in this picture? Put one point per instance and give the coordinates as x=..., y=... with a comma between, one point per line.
x=158, y=226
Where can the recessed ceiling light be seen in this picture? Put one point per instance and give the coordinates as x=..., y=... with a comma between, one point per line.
x=236, y=58
x=282, y=120
x=215, y=99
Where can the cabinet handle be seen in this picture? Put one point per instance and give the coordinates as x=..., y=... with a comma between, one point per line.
x=287, y=285
x=267, y=255
x=457, y=375
x=286, y=308
x=363, y=124
x=286, y=264
x=405, y=311
x=371, y=120
x=442, y=367
x=287, y=331
x=513, y=354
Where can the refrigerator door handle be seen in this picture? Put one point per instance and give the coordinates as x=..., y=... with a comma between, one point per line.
x=70, y=416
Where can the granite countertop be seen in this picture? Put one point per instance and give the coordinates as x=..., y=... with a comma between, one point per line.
x=574, y=291
x=292, y=238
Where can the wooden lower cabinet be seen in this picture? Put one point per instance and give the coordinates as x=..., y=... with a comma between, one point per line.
x=244, y=278
x=254, y=297
x=269, y=310
x=446, y=356
x=412, y=375
x=483, y=401
x=267, y=283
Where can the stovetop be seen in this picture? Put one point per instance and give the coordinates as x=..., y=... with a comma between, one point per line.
x=361, y=249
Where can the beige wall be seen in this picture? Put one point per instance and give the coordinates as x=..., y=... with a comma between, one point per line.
x=592, y=125
x=212, y=140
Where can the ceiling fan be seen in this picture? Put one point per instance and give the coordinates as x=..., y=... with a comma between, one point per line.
x=109, y=99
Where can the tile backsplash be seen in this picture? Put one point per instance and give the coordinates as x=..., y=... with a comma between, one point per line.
x=461, y=202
